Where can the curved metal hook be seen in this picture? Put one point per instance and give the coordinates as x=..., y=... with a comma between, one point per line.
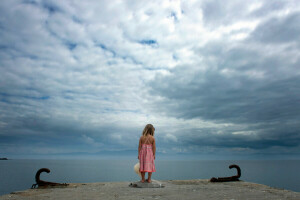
x=238, y=170
x=231, y=178
x=40, y=182
x=38, y=173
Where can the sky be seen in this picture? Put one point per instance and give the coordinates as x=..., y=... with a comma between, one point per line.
x=217, y=79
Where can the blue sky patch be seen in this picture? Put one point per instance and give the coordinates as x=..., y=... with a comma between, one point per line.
x=71, y=45
x=51, y=8
x=174, y=16
x=102, y=46
x=148, y=42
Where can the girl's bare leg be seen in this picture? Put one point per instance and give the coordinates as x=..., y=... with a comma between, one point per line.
x=143, y=177
x=149, y=177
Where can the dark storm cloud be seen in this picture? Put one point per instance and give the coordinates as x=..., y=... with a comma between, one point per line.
x=37, y=132
x=257, y=88
x=269, y=7
x=212, y=95
x=220, y=12
x=258, y=136
x=279, y=30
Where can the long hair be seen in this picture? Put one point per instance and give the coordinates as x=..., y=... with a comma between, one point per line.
x=149, y=129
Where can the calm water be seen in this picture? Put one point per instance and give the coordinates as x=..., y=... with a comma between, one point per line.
x=19, y=174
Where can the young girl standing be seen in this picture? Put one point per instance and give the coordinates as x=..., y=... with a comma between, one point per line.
x=147, y=150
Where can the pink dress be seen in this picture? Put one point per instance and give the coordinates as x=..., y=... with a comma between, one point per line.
x=147, y=159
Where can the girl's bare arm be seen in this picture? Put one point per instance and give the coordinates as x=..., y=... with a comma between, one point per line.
x=140, y=146
x=154, y=147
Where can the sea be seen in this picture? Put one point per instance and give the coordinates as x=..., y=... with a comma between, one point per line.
x=16, y=175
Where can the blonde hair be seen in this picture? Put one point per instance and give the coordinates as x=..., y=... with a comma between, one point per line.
x=149, y=129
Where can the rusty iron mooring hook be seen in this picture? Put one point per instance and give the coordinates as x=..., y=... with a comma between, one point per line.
x=40, y=182
x=231, y=178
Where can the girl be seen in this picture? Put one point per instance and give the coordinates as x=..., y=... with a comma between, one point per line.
x=147, y=150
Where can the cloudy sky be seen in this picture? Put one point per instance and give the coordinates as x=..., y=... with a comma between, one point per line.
x=218, y=79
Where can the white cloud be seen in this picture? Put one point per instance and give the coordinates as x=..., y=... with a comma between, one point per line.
x=170, y=137
x=90, y=141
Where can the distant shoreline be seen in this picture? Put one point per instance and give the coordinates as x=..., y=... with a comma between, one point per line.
x=3, y=158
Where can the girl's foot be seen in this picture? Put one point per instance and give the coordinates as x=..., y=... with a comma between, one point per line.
x=143, y=181
x=149, y=180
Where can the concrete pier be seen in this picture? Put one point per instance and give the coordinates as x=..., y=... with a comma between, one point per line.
x=173, y=190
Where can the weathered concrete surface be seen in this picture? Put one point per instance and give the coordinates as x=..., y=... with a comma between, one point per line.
x=153, y=184
x=179, y=189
